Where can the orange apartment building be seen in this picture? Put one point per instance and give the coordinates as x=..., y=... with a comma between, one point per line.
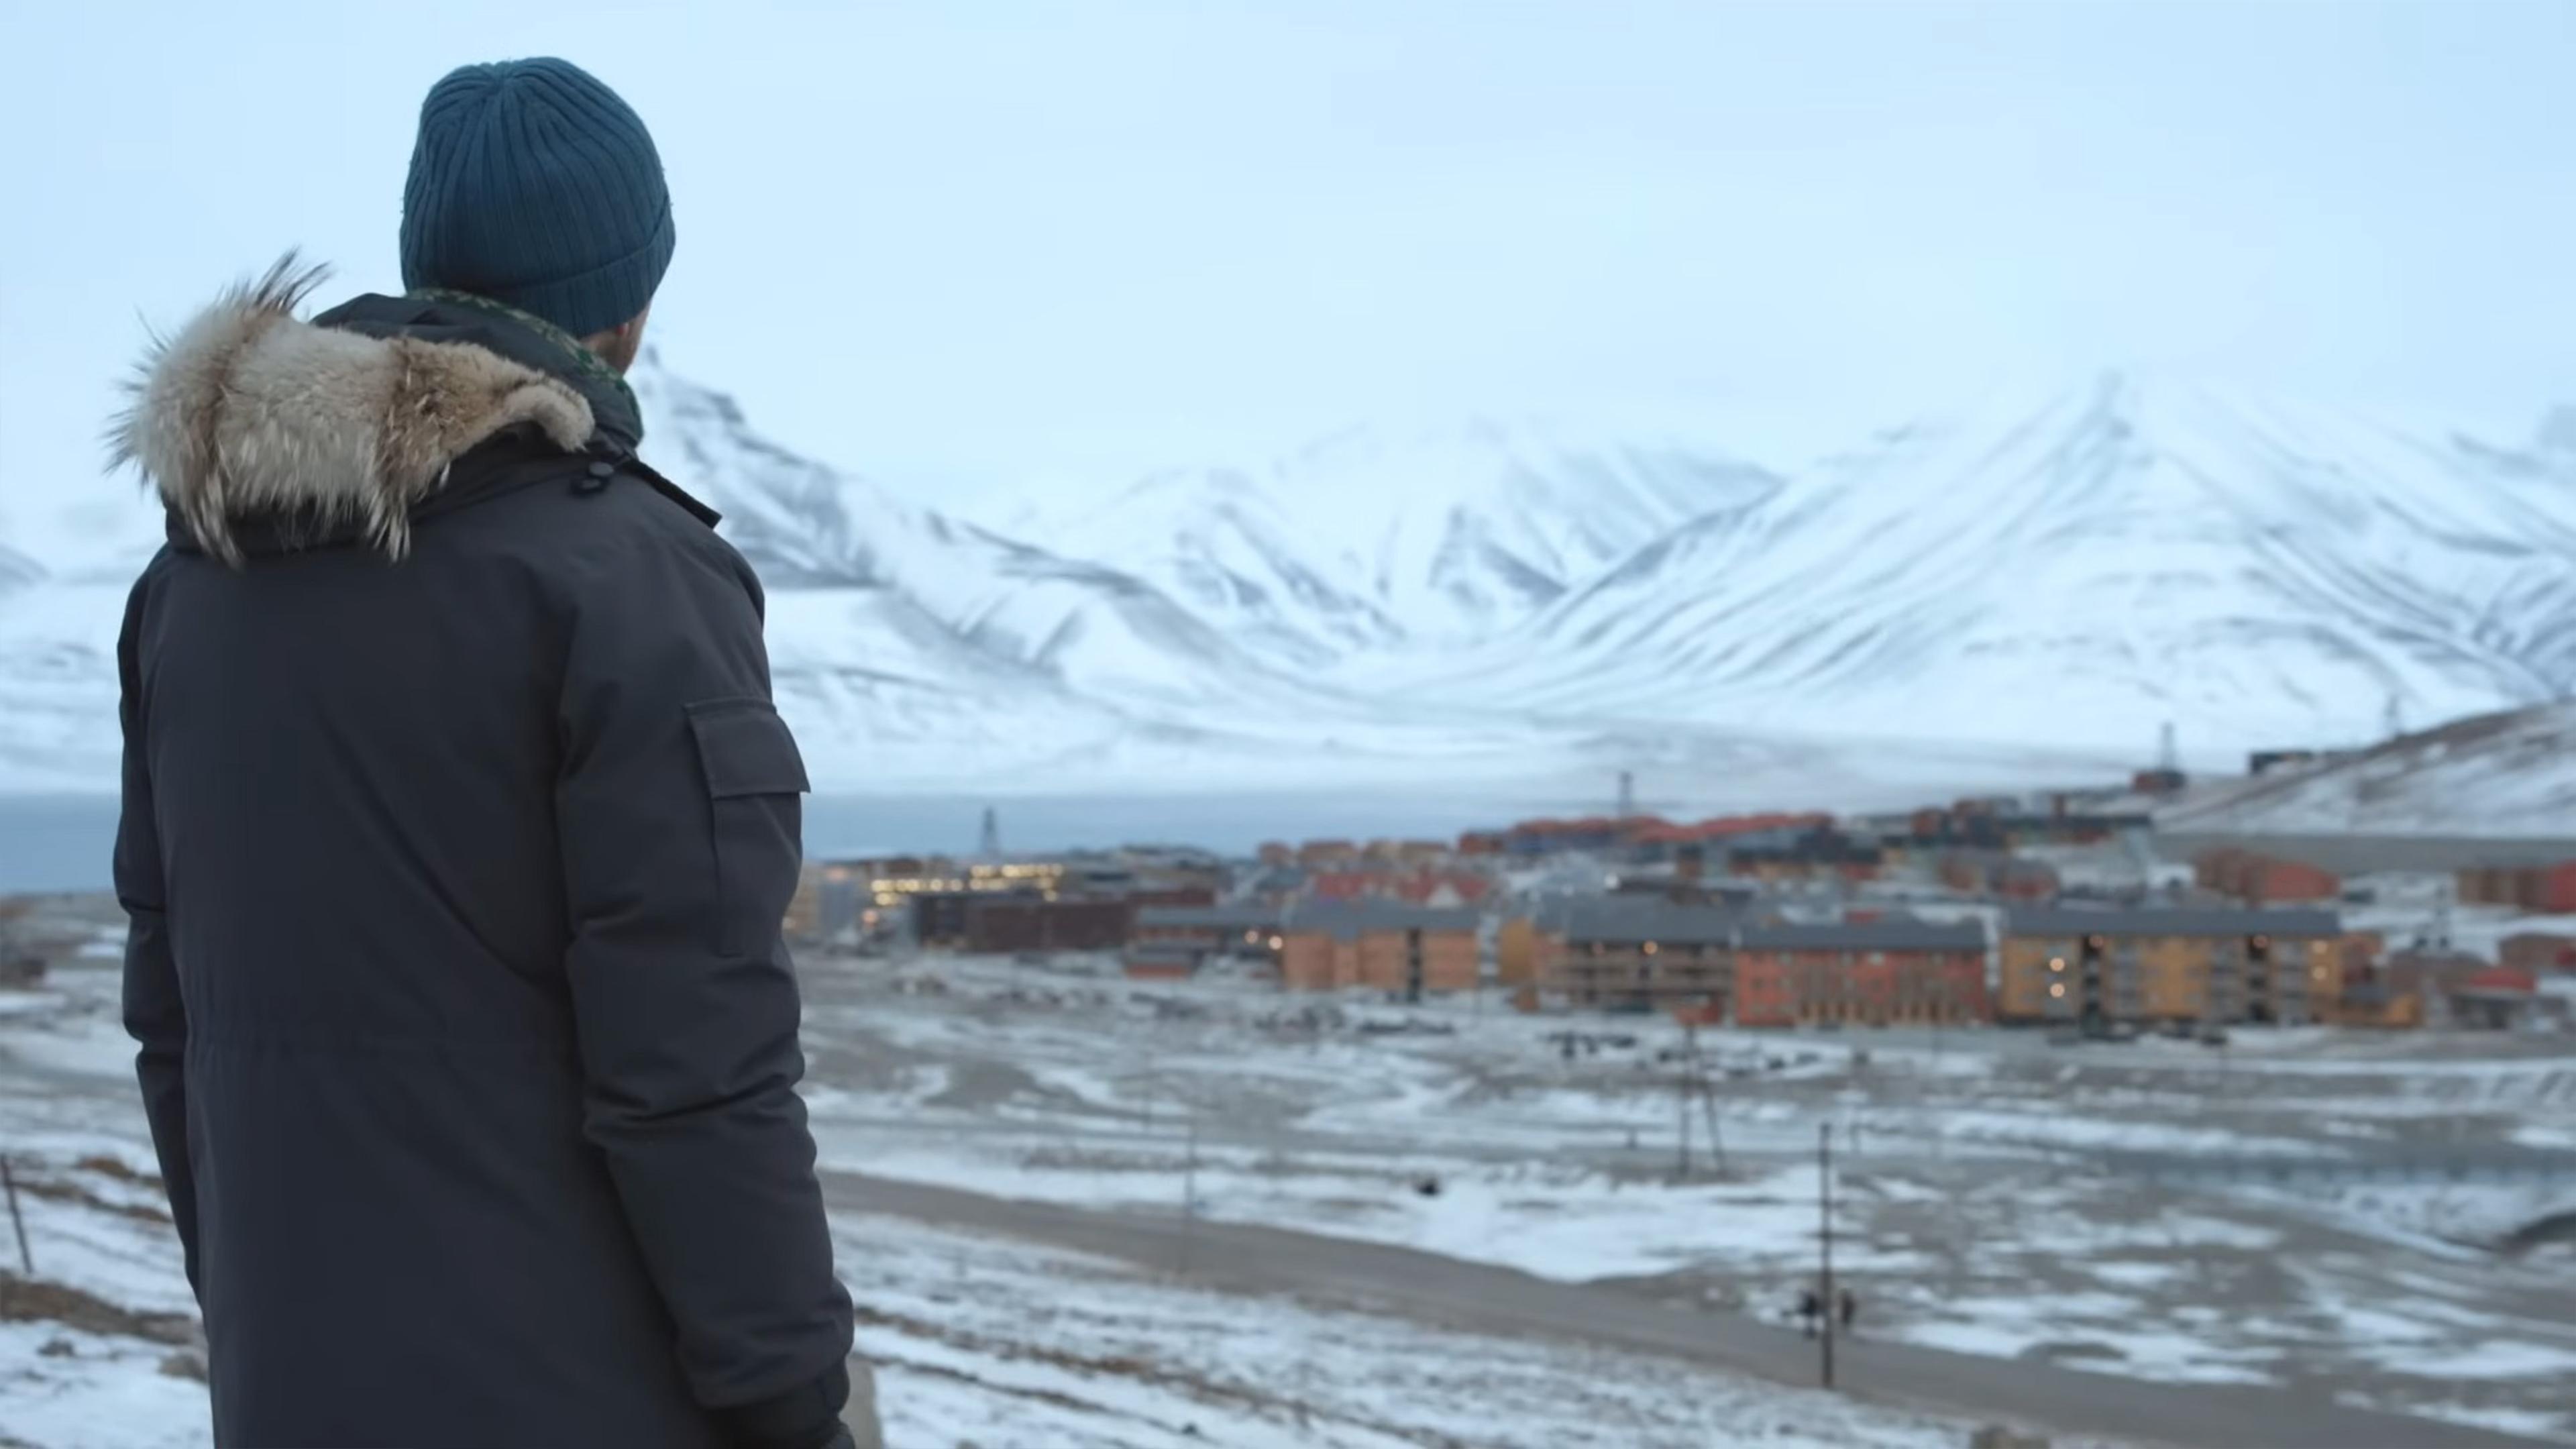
x=2263, y=879
x=1639, y=953
x=2097, y=968
x=1336, y=945
x=1867, y=973
x=2546, y=889
x=2538, y=952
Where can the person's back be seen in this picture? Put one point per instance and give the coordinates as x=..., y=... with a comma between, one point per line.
x=458, y=830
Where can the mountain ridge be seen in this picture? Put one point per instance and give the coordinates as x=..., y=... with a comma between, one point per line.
x=2049, y=573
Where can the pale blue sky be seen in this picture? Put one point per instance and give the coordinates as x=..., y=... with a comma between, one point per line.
x=962, y=244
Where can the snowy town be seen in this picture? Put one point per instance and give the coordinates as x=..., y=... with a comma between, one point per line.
x=2019, y=1121
x=2063, y=911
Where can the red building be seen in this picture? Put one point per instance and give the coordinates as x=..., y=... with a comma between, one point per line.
x=2264, y=880
x=2538, y=951
x=1420, y=886
x=1318, y=854
x=1873, y=973
x=998, y=925
x=2546, y=889
x=2032, y=881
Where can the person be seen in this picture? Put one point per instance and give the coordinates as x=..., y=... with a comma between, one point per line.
x=458, y=827
x=1810, y=1310
x=1850, y=1308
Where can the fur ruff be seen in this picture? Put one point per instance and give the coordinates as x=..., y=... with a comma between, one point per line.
x=247, y=410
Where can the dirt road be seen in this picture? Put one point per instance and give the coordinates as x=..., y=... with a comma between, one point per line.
x=1453, y=1292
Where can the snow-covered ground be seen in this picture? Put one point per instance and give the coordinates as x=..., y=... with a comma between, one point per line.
x=976, y=1340
x=1987, y=1202
x=991, y=1343
x=1982, y=1204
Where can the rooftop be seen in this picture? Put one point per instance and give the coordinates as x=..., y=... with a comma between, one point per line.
x=1647, y=918
x=1350, y=919
x=2184, y=921
x=1867, y=936
x=1213, y=918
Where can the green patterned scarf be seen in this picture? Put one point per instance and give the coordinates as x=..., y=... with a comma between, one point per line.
x=585, y=369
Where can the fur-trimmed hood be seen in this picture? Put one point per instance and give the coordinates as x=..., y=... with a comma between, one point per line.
x=248, y=412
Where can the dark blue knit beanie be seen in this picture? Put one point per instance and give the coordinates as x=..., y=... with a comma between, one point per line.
x=532, y=184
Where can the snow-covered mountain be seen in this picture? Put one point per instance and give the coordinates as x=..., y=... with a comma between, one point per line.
x=2509, y=773
x=17, y=570
x=952, y=596
x=1511, y=602
x=1411, y=540
x=2079, y=569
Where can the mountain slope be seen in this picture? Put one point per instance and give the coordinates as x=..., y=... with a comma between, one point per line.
x=905, y=647
x=1005, y=606
x=2508, y=773
x=2059, y=574
x=17, y=570
x=2081, y=571
x=1378, y=540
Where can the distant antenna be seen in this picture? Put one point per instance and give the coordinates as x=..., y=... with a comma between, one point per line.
x=2168, y=758
x=1627, y=795
x=990, y=847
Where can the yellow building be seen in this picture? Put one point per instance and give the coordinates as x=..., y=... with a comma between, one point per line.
x=1637, y=953
x=1335, y=946
x=1516, y=948
x=2095, y=968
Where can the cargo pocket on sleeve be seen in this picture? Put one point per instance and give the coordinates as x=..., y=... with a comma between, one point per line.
x=754, y=778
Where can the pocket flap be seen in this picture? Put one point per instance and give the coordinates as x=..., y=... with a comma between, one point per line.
x=746, y=749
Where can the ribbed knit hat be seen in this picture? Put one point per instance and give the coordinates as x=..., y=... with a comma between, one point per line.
x=534, y=185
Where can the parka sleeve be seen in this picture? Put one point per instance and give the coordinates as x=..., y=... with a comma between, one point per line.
x=678, y=812
x=156, y=1015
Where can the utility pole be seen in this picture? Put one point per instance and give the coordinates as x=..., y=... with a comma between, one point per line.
x=1716, y=1139
x=1682, y=1101
x=1190, y=1192
x=26, y=1259
x=1153, y=1081
x=1825, y=1243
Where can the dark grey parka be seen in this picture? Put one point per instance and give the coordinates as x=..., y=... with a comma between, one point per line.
x=457, y=831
